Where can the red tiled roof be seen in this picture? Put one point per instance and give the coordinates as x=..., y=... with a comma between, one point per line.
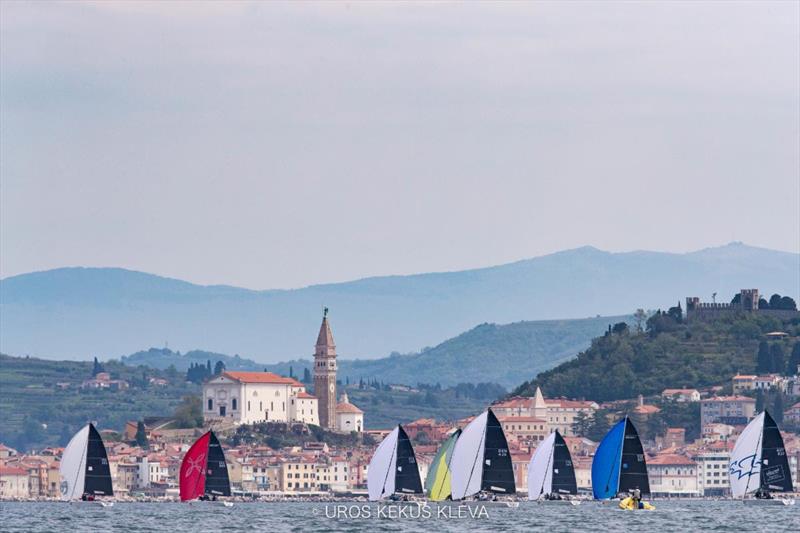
x=12, y=471
x=306, y=395
x=347, y=407
x=261, y=377
x=670, y=459
x=729, y=399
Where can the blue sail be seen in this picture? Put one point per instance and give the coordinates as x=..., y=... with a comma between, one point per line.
x=606, y=463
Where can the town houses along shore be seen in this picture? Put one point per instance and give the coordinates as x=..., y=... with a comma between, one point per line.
x=282, y=441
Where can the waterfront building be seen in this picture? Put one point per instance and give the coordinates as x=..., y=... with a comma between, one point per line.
x=732, y=410
x=672, y=475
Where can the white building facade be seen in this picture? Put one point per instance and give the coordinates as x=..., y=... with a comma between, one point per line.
x=251, y=397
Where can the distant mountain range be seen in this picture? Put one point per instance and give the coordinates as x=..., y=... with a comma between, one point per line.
x=485, y=354
x=79, y=313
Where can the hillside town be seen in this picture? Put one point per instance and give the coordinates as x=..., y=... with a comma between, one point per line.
x=145, y=458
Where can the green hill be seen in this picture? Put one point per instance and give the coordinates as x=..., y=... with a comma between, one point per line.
x=670, y=353
x=43, y=403
x=486, y=353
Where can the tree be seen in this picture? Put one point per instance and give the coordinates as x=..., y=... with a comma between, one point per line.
x=219, y=368
x=777, y=361
x=189, y=413
x=794, y=360
x=763, y=358
x=307, y=376
x=676, y=313
x=599, y=426
x=141, y=436
x=760, y=400
x=639, y=318
x=737, y=300
x=777, y=408
x=788, y=303
x=763, y=304
x=775, y=301
x=208, y=366
x=97, y=368
x=620, y=328
x=291, y=371
x=582, y=424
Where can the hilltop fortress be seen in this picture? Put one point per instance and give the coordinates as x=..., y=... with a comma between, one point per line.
x=747, y=301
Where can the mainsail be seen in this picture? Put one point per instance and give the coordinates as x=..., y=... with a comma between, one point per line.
x=84, y=466
x=438, y=482
x=481, y=459
x=551, y=470
x=759, y=459
x=393, y=468
x=619, y=463
x=204, y=470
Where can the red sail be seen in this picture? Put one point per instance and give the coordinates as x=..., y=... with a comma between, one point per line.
x=193, y=469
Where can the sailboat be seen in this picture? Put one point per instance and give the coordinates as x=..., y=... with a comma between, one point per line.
x=619, y=465
x=438, y=483
x=481, y=461
x=393, y=470
x=759, y=464
x=84, y=469
x=204, y=472
x=551, y=475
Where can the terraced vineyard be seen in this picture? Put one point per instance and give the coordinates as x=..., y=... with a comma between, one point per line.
x=43, y=404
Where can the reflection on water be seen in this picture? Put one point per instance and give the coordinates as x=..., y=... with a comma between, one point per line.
x=685, y=515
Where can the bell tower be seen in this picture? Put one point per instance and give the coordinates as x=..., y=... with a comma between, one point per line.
x=325, y=374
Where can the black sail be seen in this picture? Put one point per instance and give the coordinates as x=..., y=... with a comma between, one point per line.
x=775, y=473
x=563, y=471
x=98, y=474
x=406, y=477
x=633, y=467
x=217, y=483
x=498, y=471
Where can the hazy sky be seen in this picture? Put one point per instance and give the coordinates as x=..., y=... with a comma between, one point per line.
x=277, y=145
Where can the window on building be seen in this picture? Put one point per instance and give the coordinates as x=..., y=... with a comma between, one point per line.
x=233, y=404
x=210, y=404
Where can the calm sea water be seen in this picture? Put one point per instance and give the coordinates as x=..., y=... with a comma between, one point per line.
x=268, y=517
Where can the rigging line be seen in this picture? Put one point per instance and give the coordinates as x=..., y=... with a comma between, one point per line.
x=474, y=461
x=386, y=477
x=84, y=461
x=758, y=444
x=447, y=471
x=205, y=469
x=621, y=447
x=549, y=458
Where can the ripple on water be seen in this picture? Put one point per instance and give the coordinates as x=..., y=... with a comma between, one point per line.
x=589, y=516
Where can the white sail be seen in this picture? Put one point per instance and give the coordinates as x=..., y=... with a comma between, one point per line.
x=73, y=465
x=745, y=466
x=466, y=465
x=540, y=469
x=381, y=470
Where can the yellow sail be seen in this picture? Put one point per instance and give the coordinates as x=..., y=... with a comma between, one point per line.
x=441, y=482
x=437, y=484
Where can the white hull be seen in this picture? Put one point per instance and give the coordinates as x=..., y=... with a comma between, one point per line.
x=212, y=503
x=559, y=502
x=773, y=501
x=476, y=503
